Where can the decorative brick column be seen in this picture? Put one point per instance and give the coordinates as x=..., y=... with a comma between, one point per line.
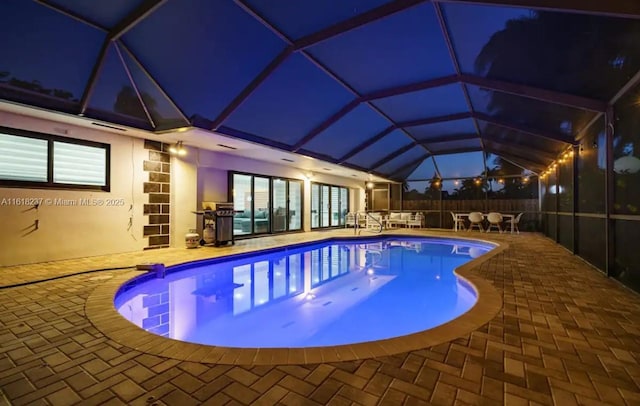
x=158, y=188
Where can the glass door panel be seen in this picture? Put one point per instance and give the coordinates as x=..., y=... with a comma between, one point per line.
x=335, y=206
x=315, y=206
x=242, y=202
x=260, y=205
x=295, y=205
x=344, y=204
x=279, y=205
x=324, y=207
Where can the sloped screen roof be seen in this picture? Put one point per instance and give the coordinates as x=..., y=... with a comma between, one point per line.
x=402, y=89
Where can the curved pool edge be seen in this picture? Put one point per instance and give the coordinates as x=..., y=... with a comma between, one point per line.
x=101, y=311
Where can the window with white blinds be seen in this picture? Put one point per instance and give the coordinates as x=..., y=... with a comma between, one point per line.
x=23, y=158
x=48, y=161
x=79, y=164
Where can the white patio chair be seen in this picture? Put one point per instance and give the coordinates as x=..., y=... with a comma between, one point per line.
x=393, y=220
x=495, y=220
x=515, y=222
x=475, y=218
x=416, y=221
x=459, y=220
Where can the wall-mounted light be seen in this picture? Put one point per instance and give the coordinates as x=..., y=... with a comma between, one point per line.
x=370, y=185
x=525, y=179
x=178, y=149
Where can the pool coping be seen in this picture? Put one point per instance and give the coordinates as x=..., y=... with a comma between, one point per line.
x=101, y=311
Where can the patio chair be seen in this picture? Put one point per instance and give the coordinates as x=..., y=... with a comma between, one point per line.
x=416, y=221
x=515, y=222
x=476, y=220
x=495, y=220
x=459, y=220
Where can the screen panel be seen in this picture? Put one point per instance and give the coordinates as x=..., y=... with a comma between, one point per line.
x=443, y=147
x=565, y=231
x=114, y=96
x=545, y=49
x=378, y=150
x=591, y=240
x=369, y=58
x=426, y=170
x=627, y=257
x=626, y=154
x=442, y=129
x=280, y=95
x=164, y=113
x=300, y=18
x=350, y=131
x=219, y=51
x=398, y=162
x=592, y=170
x=37, y=45
x=463, y=165
x=106, y=13
x=433, y=102
x=508, y=137
x=529, y=113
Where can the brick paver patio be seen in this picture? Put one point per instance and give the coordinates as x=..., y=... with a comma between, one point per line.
x=565, y=335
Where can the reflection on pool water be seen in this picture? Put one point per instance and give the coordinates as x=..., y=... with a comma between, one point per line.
x=329, y=293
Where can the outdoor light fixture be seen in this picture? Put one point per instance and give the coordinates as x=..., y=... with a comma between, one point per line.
x=178, y=149
x=370, y=185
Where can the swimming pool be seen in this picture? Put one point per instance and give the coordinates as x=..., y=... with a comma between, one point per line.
x=335, y=292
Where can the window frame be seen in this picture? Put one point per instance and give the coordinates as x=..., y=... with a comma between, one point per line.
x=50, y=184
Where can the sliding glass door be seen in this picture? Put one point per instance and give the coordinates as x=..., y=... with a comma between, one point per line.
x=329, y=205
x=265, y=204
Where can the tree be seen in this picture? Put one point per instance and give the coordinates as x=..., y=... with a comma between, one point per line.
x=573, y=53
x=128, y=103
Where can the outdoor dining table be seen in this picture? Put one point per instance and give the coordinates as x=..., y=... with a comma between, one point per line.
x=484, y=216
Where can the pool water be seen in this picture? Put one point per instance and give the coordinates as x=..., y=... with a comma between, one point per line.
x=336, y=292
